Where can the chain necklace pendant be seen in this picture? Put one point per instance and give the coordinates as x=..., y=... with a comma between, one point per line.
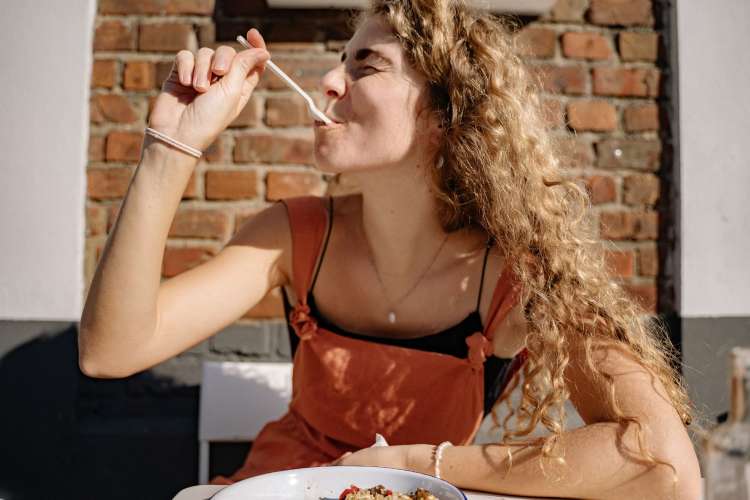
x=391, y=317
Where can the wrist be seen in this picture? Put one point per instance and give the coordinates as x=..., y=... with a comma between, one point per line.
x=419, y=459
x=155, y=150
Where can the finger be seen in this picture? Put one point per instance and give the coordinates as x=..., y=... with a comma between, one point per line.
x=201, y=76
x=255, y=38
x=222, y=59
x=184, y=62
x=243, y=64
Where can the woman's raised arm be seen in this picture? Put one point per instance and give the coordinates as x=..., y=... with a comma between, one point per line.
x=131, y=321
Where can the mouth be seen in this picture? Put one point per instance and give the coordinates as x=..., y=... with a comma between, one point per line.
x=334, y=124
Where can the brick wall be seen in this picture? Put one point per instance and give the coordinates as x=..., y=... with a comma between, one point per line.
x=600, y=61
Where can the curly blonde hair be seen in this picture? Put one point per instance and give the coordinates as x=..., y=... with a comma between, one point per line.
x=501, y=172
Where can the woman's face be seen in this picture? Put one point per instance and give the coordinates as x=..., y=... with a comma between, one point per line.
x=375, y=96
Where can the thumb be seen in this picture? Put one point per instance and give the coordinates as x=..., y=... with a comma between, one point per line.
x=243, y=65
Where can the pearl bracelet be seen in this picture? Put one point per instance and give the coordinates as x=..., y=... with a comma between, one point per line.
x=437, y=454
x=182, y=147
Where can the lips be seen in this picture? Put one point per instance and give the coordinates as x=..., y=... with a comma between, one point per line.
x=335, y=123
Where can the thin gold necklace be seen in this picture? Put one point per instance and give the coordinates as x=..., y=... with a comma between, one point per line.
x=391, y=311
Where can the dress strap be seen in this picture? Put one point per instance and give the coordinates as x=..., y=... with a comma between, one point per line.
x=504, y=299
x=484, y=268
x=308, y=218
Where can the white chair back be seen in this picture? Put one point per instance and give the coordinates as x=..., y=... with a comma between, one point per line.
x=236, y=400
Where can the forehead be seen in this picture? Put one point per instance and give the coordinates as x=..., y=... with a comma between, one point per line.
x=374, y=34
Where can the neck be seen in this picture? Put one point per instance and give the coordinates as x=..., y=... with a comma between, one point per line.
x=399, y=218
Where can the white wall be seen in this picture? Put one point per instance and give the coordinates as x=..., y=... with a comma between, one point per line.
x=714, y=142
x=44, y=89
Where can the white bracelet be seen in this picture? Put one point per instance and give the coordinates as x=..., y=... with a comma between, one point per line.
x=439, y=454
x=182, y=147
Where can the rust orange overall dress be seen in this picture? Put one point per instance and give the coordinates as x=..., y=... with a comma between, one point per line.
x=344, y=389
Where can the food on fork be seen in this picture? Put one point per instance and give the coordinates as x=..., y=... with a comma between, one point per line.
x=380, y=492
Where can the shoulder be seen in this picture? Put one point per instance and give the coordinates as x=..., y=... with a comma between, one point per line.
x=268, y=229
x=509, y=334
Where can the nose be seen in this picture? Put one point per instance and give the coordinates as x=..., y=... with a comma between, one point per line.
x=334, y=83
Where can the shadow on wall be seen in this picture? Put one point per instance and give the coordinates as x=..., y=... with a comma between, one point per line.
x=65, y=435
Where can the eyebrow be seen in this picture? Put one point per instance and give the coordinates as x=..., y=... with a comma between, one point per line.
x=363, y=54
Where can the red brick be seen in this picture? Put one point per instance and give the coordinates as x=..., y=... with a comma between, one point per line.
x=602, y=189
x=200, y=223
x=615, y=225
x=114, y=108
x=646, y=226
x=591, y=46
x=167, y=37
x=124, y=146
x=96, y=148
x=648, y=261
x=231, y=185
x=622, y=12
x=597, y=116
x=536, y=42
x=139, y=75
x=178, y=260
x=288, y=184
x=271, y=306
x=636, y=82
x=207, y=36
x=287, y=111
x=620, y=263
x=96, y=220
x=563, y=79
x=114, y=35
x=552, y=111
x=104, y=73
x=295, y=47
x=641, y=189
x=242, y=216
x=574, y=152
x=629, y=225
x=306, y=71
x=107, y=183
x=641, y=117
x=250, y=115
x=639, y=154
x=273, y=149
x=635, y=46
x=95, y=113
x=645, y=295
x=571, y=11
x=160, y=7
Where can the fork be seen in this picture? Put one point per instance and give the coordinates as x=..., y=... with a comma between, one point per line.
x=310, y=104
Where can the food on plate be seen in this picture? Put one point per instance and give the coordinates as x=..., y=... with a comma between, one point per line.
x=380, y=492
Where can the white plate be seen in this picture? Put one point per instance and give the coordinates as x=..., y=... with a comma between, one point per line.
x=316, y=483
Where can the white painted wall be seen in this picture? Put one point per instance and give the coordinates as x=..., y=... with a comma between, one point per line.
x=44, y=90
x=714, y=142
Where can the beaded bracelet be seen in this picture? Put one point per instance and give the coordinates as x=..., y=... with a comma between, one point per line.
x=437, y=454
x=182, y=147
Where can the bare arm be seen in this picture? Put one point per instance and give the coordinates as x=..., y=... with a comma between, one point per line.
x=602, y=458
x=130, y=321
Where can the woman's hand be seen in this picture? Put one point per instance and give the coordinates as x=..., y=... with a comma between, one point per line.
x=395, y=457
x=203, y=94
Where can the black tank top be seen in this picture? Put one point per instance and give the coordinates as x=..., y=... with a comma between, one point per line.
x=451, y=341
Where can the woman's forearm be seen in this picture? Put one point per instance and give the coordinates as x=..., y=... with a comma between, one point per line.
x=598, y=464
x=120, y=311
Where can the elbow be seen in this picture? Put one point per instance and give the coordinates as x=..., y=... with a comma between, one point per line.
x=95, y=366
x=97, y=370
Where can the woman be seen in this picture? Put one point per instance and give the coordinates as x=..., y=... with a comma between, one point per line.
x=396, y=332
